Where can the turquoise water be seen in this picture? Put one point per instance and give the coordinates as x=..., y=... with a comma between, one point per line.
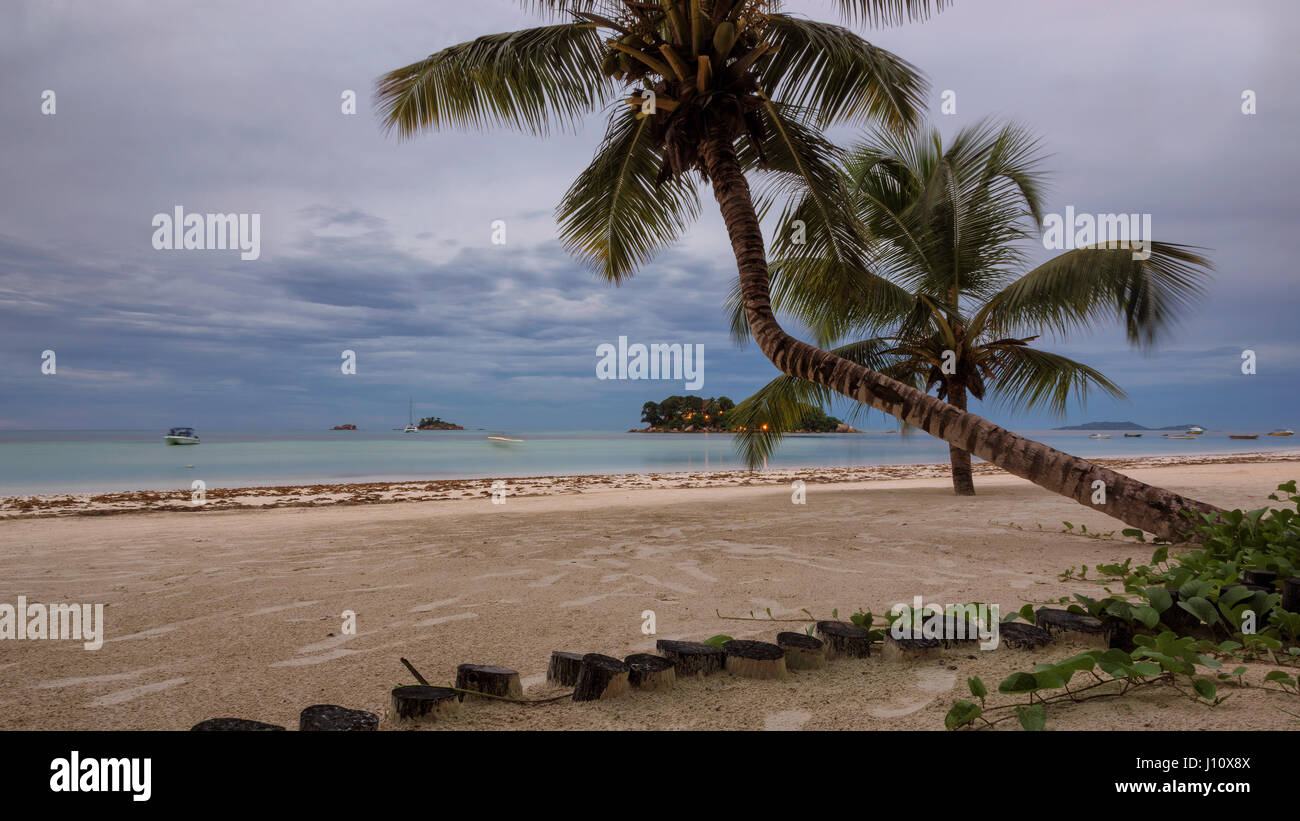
x=85, y=461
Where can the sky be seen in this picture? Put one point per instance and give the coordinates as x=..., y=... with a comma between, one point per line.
x=384, y=247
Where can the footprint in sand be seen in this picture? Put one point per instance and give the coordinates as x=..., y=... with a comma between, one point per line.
x=130, y=693
x=929, y=683
x=786, y=720
x=444, y=619
x=282, y=607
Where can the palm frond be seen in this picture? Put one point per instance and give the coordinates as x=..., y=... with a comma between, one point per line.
x=877, y=13
x=1026, y=378
x=527, y=80
x=617, y=214
x=838, y=75
x=1081, y=286
x=780, y=405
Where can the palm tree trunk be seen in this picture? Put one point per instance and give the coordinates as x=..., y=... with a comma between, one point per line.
x=1152, y=509
x=963, y=481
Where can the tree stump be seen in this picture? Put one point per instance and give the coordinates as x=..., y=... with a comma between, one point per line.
x=914, y=649
x=600, y=677
x=213, y=725
x=1023, y=636
x=754, y=659
x=420, y=703
x=844, y=639
x=1178, y=619
x=1291, y=595
x=692, y=658
x=1080, y=628
x=564, y=668
x=647, y=671
x=492, y=681
x=802, y=651
x=1264, y=577
x=330, y=717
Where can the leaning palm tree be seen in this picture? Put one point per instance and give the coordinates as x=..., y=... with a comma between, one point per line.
x=723, y=88
x=945, y=228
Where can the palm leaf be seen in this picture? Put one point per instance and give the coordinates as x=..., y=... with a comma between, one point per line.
x=838, y=75
x=1025, y=377
x=1081, y=286
x=527, y=80
x=616, y=215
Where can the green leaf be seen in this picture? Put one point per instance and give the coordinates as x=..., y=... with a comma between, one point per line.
x=1204, y=688
x=1134, y=533
x=1018, y=683
x=977, y=687
x=961, y=713
x=1201, y=608
x=1147, y=615
x=1160, y=555
x=718, y=640
x=1033, y=717
x=1159, y=598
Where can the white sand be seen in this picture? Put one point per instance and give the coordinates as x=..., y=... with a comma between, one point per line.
x=237, y=613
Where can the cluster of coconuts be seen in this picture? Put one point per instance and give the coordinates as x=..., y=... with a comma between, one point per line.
x=635, y=55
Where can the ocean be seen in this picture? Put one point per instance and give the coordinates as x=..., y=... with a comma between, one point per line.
x=35, y=462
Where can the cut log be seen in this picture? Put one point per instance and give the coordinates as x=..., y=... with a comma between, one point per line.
x=1021, y=636
x=492, y=681
x=1265, y=577
x=332, y=718
x=754, y=659
x=418, y=703
x=1178, y=619
x=600, y=677
x=692, y=658
x=914, y=649
x=1291, y=595
x=802, y=651
x=844, y=639
x=213, y=725
x=1079, y=628
x=647, y=671
x=564, y=668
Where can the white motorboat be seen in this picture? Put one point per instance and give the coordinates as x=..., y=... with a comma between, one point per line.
x=182, y=436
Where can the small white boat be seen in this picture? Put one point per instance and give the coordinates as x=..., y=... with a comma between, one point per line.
x=1194, y=430
x=410, y=419
x=182, y=436
x=1178, y=436
x=1099, y=436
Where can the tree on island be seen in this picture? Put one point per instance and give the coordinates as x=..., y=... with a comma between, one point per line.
x=952, y=306
x=719, y=89
x=437, y=423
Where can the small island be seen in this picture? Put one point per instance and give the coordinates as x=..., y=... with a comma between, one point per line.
x=435, y=423
x=344, y=427
x=1120, y=426
x=695, y=414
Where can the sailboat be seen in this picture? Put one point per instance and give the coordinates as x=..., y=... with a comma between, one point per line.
x=410, y=419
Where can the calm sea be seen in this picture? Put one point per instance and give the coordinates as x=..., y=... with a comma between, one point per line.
x=84, y=461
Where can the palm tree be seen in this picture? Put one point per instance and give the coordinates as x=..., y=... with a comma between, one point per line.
x=944, y=227
x=723, y=88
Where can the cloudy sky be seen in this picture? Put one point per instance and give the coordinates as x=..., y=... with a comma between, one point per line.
x=384, y=247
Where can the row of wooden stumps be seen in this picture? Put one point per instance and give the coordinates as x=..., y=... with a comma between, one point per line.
x=318, y=717
x=594, y=676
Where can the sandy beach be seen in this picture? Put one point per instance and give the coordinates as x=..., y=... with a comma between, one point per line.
x=238, y=612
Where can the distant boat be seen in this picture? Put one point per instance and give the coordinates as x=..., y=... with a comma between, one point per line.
x=182, y=436
x=1282, y=432
x=505, y=440
x=1178, y=436
x=410, y=419
x=1195, y=430
x=1132, y=436
x=1243, y=436
x=1099, y=436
